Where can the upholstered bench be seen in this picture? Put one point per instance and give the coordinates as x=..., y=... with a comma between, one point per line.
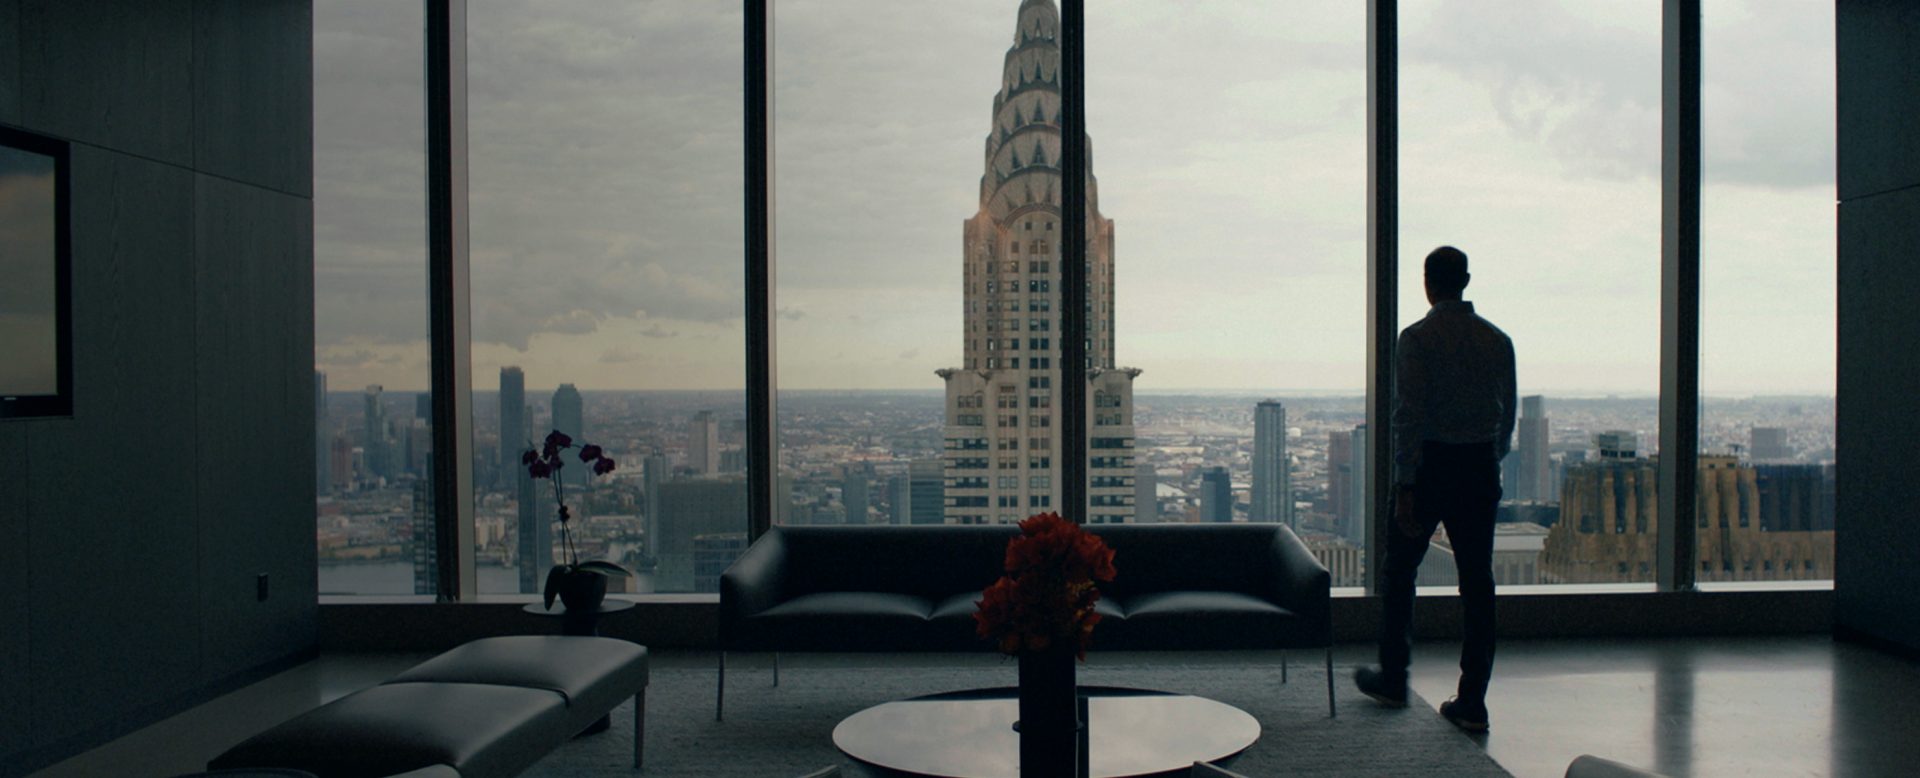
x=492, y=707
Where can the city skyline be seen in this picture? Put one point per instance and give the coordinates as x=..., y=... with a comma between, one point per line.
x=1558, y=163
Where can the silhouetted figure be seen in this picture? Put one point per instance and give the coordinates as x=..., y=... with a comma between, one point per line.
x=1453, y=418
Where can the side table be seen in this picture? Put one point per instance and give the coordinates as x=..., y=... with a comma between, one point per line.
x=583, y=623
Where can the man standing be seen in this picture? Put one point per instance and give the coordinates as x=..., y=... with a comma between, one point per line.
x=1453, y=417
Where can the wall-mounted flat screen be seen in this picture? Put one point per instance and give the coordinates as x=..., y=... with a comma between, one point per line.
x=36, y=278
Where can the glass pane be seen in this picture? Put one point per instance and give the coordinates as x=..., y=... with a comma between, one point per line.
x=374, y=519
x=1767, y=292
x=1530, y=139
x=1231, y=159
x=883, y=273
x=607, y=286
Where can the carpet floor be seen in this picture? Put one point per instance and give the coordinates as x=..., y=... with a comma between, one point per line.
x=786, y=731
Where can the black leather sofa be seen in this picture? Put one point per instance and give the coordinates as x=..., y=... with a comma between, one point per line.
x=885, y=588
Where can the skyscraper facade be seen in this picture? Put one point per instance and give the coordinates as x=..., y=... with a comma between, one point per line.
x=926, y=491
x=703, y=443
x=426, y=552
x=1216, y=495
x=374, y=433
x=1533, y=478
x=322, y=437
x=514, y=435
x=1768, y=444
x=1001, y=432
x=569, y=416
x=1339, y=476
x=853, y=494
x=1272, y=498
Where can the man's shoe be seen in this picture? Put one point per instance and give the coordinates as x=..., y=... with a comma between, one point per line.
x=1374, y=683
x=1470, y=717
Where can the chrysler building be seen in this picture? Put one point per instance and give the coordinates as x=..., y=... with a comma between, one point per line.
x=1001, y=435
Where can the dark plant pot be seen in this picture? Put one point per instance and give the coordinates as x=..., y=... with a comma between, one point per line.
x=1049, y=715
x=582, y=591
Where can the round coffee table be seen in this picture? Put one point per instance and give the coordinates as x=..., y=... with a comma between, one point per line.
x=969, y=734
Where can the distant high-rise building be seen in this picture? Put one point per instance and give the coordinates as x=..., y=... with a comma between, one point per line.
x=1617, y=444
x=426, y=552
x=1533, y=469
x=692, y=508
x=656, y=472
x=1768, y=444
x=900, y=499
x=853, y=494
x=569, y=416
x=515, y=438
x=340, y=462
x=1272, y=497
x=929, y=486
x=374, y=434
x=423, y=406
x=1358, y=526
x=1146, y=494
x=1609, y=524
x=1339, y=475
x=703, y=444
x=1216, y=495
x=712, y=555
x=322, y=437
x=535, y=533
x=1002, y=430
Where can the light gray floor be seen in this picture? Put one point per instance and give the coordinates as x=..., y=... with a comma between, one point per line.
x=1705, y=707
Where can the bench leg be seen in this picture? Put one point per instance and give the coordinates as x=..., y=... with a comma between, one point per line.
x=1330, y=711
x=720, y=689
x=1283, y=667
x=776, y=668
x=639, y=727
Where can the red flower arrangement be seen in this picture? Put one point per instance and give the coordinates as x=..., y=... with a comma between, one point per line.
x=1045, y=600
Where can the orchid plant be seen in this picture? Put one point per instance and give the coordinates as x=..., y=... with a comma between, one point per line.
x=547, y=462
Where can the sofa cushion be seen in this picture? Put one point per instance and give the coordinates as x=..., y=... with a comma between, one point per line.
x=593, y=674
x=843, y=621
x=1195, y=619
x=478, y=729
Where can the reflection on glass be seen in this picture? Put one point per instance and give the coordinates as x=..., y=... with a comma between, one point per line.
x=1530, y=139
x=606, y=194
x=29, y=298
x=374, y=517
x=1767, y=293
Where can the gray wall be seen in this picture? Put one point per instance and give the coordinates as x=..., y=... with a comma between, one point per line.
x=1877, y=558
x=131, y=534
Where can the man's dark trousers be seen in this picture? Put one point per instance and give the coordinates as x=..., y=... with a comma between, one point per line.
x=1458, y=485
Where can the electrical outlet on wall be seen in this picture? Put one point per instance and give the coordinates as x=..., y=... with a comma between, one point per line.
x=260, y=587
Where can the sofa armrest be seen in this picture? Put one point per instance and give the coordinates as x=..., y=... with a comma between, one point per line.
x=753, y=583
x=1300, y=583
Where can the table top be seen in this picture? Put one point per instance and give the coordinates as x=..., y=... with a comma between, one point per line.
x=560, y=608
x=969, y=734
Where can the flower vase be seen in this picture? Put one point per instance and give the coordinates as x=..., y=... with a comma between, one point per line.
x=583, y=591
x=1049, y=714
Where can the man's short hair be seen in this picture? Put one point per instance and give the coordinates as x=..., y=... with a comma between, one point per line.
x=1447, y=270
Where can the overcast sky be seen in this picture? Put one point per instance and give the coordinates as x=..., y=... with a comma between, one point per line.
x=1229, y=141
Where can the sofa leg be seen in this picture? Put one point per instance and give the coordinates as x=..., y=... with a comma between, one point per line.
x=776, y=668
x=1283, y=667
x=639, y=727
x=1330, y=710
x=720, y=689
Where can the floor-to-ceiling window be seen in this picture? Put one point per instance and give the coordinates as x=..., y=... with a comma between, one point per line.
x=374, y=519
x=1767, y=293
x=1530, y=139
x=1229, y=145
x=606, y=286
